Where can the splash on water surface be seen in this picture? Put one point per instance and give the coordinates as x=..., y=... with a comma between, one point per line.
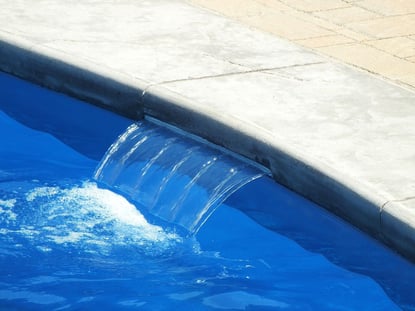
x=82, y=216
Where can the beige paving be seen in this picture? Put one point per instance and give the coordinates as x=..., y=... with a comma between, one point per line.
x=330, y=40
x=315, y=5
x=387, y=27
x=237, y=8
x=294, y=28
x=347, y=15
x=403, y=47
x=375, y=35
x=388, y=7
x=371, y=59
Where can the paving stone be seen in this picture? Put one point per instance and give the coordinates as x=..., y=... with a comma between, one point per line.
x=371, y=59
x=286, y=26
x=399, y=46
x=315, y=5
x=274, y=4
x=325, y=41
x=347, y=15
x=388, y=7
x=232, y=8
x=358, y=36
x=316, y=20
x=386, y=27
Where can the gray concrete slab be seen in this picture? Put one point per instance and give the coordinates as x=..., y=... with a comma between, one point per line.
x=343, y=138
x=156, y=41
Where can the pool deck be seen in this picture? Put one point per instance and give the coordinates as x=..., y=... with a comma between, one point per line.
x=320, y=92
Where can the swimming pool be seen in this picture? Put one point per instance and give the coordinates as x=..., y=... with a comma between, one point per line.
x=69, y=243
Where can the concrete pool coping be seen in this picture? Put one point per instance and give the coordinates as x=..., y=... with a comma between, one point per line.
x=341, y=137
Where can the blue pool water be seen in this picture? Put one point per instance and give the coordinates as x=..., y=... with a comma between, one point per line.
x=68, y=243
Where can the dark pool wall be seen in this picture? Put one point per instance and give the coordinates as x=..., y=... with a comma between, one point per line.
x=113, y=91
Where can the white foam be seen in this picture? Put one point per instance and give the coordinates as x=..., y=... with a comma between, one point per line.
x=111, y=204
x=9, y=215
x=90, y=216
x=115, y=208
x=71, y=237
x=6, y=210
x=41, y=192
x=7, y=203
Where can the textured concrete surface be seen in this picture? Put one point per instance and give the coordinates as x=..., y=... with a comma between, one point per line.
x=375, y=35
x=340, y=136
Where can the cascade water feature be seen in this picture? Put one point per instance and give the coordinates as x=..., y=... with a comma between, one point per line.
x=175, y=177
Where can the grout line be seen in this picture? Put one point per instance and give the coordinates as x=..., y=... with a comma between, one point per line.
x=316, y=48
x=382, y=207
x=287, y=3
x=356, y=4
x=400, y=200
x=366, y=43
x=234, y=73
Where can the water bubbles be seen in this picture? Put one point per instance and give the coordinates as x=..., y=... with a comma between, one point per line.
x=83, y=217
x=7, y=203
x=41, y=192
x=6, y=210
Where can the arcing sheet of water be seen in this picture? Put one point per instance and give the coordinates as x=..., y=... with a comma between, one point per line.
x=173, y=176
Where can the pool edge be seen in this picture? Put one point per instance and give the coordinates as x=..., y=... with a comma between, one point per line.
x=134, y=98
